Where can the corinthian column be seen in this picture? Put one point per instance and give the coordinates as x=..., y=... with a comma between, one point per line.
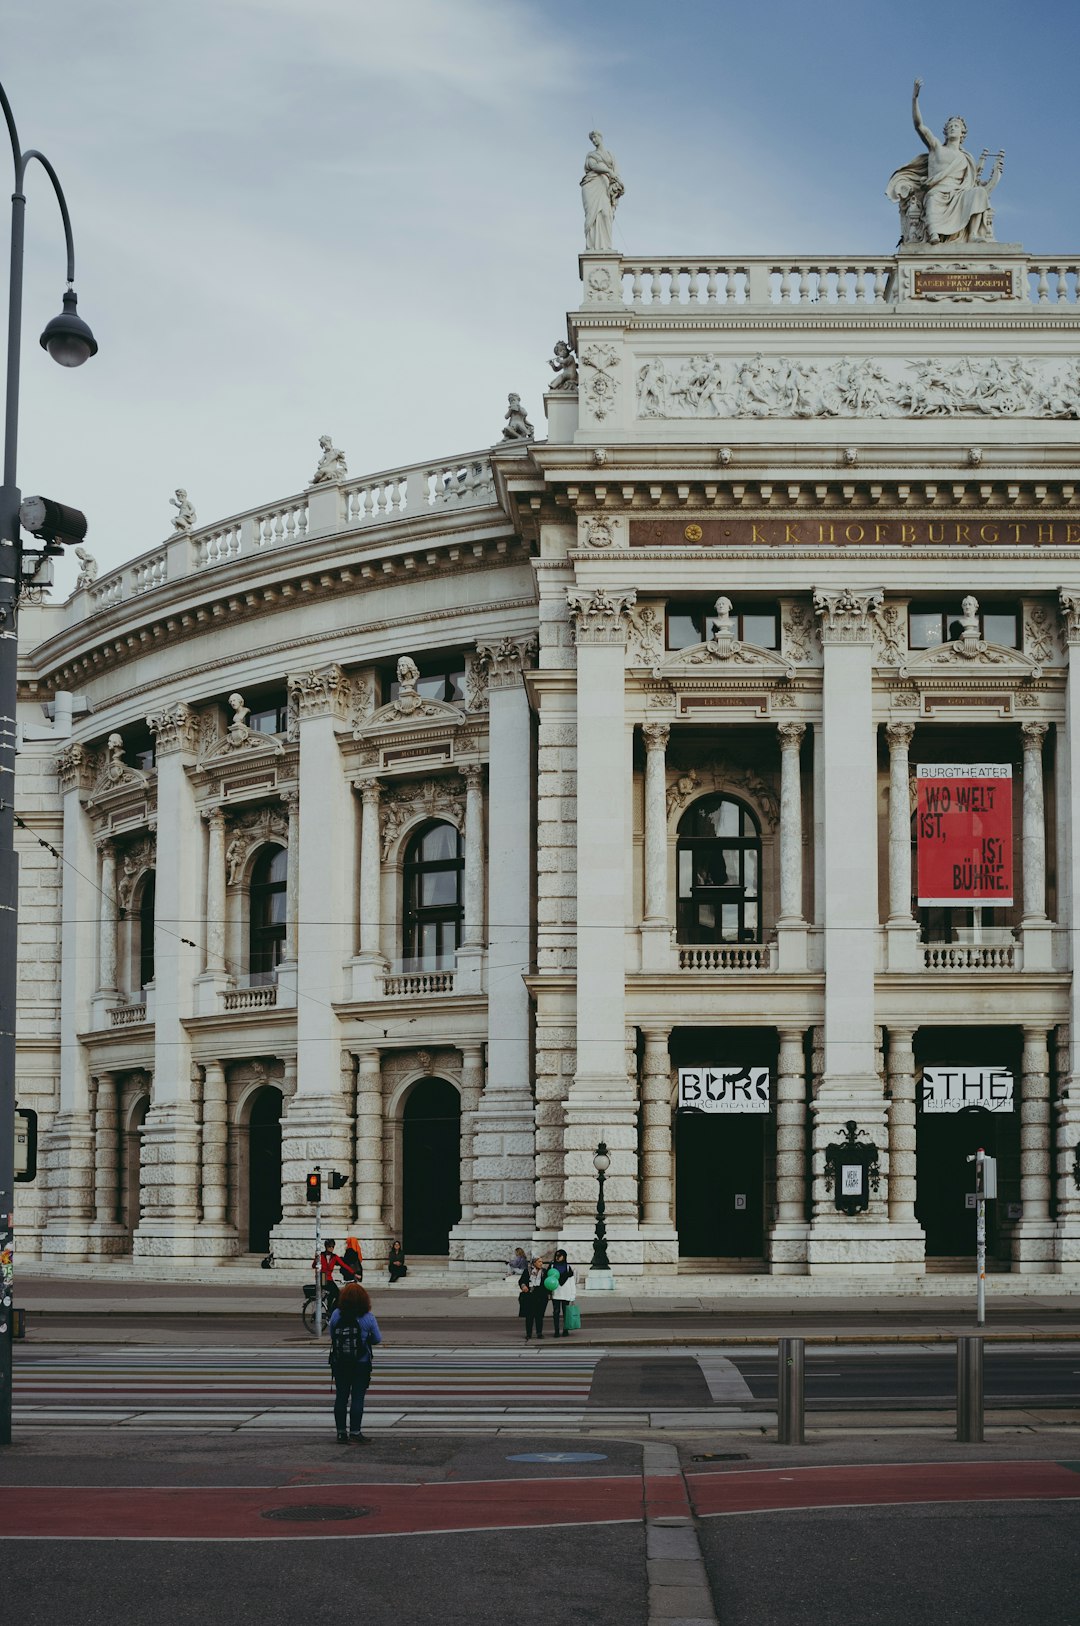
x=1036, y=927
x=656, y=1158
x=902, y=1170
x=791, y=877
x=473, y=775
x=1033, y=1238
x=902, y=931
x=369, y=1143
x=472, y=1085
x=215, y=892
x=656, y=926
x=370, y=872
x=215, y=1139
x=107, y=918
x=787, y=1242
x=106, y=1151
x=291, y=798
x=1034, y=824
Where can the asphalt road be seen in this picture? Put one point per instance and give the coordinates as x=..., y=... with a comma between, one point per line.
x=842, y=1381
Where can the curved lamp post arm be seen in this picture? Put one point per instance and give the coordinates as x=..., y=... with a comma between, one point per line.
x=14, y=346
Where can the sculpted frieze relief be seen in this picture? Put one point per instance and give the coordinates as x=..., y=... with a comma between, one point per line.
x=409, y=800
x=599, y=362
x=721, y=774
x=1039, y=631
x=74, y=765
x=708, y=386
x=175, y=728
x=800, y=639
x=248, y=830
x=134, y=860
x=645, y=636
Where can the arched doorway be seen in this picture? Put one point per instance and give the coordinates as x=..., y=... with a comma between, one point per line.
x=431, y=1166
x=264, y=1167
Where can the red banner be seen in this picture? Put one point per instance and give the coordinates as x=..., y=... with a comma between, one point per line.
x=964, y=822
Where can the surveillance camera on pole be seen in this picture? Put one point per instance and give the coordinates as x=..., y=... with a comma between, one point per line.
x=58, y=525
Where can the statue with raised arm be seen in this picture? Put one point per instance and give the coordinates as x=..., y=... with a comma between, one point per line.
x=944, y=197
x=185, y=512
x=601, y=190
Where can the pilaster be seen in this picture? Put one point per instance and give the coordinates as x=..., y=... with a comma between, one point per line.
x=852, y=1085
x=1033, y=1238
x=369, y=962
x=791, y=924
x=214, y=979
x=503, y=1145
x=602, y=1102
x=68, y=1147
x=788, y=1237
x=656, y=926
x=901, y=931
x=1035, y=925
x=170, y=1161
x=106, y=1234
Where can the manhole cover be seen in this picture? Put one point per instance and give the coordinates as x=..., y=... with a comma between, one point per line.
x=558, y=1456
x=315, y=1512
x=723, y=1456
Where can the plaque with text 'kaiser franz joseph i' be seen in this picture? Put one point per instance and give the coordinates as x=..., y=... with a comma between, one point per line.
x=962, y=282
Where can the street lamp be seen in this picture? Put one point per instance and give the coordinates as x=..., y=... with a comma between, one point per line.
x=70, y=342
x=600, y=1278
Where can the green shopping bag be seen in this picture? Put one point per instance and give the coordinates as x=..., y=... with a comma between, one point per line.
x=571, y=1318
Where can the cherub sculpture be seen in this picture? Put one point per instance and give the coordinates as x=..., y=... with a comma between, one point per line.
x=565, y=367
x=88, y=568
x=518, y=426
x=331, y=467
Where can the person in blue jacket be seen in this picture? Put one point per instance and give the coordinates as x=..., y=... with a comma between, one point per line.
x=353, y=1333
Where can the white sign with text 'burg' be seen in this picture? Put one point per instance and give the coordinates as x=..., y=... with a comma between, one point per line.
x=951, y=1089
x=724, y=1089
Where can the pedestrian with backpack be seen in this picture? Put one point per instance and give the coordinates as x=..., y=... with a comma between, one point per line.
x=353, y=1332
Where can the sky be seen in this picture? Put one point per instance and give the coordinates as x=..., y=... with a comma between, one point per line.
x=362, y=218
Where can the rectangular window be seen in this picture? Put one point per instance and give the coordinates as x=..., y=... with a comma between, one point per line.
x=689, y=624
x=442, y=677
x=932, y=625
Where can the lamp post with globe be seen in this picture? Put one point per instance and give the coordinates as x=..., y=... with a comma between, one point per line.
x=70, y=342
x=600, y=1278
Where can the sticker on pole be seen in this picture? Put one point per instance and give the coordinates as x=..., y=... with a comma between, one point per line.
x=964, y=827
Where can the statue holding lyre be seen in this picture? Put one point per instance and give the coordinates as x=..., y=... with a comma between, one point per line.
x=943, y=195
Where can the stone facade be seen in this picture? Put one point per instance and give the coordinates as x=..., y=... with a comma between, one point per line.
x=656, y=706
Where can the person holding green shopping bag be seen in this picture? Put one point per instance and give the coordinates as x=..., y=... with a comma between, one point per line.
x=565, y=1316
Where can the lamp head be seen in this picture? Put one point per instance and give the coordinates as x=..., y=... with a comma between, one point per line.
x=67, y=338
x=601, y=1161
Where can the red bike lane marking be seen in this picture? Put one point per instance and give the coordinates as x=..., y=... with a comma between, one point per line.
x=237, y=1514
x=776, y=1489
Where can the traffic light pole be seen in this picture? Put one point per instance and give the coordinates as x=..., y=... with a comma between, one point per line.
x=318, y=1270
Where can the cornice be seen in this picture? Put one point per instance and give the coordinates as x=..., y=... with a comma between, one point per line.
x=329, y=638
x=191, y=605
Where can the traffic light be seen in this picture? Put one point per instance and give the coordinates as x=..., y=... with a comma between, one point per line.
x=337, y=1180
x=314, y=1187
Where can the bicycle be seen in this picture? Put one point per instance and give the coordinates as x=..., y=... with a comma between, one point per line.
x=308, y=1312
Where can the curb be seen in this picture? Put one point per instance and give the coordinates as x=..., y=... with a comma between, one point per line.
x=679, y=1590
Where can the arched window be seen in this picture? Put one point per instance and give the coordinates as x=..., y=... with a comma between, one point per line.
x=266, y=935
x=146, y=930
x=432, y=915
x=719, y=859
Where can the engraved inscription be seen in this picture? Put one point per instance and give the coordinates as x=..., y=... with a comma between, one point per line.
x=962, y=282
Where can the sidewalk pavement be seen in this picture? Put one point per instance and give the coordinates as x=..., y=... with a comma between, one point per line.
x=607, y=1317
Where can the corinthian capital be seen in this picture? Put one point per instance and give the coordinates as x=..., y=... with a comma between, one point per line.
x=899, y=735
x=600, y=616
x=75, y=767
x=1070, y=614
x=846, y=615
x=174, y=729
x=327, y=692
x=502, y=663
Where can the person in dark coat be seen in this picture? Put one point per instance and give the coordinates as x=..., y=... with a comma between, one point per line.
x=396, y=1262
x=533, y=1298
x=562, y=1267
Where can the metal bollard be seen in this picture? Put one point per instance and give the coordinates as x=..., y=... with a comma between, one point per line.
x=791, y=1391
x=969, y=1391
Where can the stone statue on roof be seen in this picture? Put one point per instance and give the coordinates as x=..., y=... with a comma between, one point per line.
x=943, y=195
x=601, y=190
x=331, y=466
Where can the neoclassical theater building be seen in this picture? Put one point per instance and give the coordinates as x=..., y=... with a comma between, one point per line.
x=435, y=825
